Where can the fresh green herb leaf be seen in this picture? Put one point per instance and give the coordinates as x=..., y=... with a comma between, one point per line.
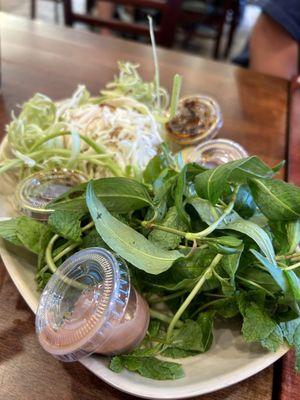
x=256, y=233
x=179, y=196
x=257, y=324
x=289, y=330
x=166, y=240
x=195, y=335
x=244, y=204
x=273, y=270
x=294, y=284
x=116, y=364
x=174, y=352
x=93, y=239
x=276, y=199
x=212, y=183
x=149, y=367
x=293, y=235
x=66, y=224
x=120, y=195
x=127, y=242
x=230, y=264
x=9, y=229
x=274, y=340
x=29, y=233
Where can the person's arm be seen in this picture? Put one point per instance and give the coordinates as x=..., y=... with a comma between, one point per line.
x=272, y=49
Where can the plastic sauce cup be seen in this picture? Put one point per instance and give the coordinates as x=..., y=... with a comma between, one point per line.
x=197, y=118
x=89, y=306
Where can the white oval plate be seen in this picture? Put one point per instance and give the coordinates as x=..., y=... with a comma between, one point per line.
x=230, y=360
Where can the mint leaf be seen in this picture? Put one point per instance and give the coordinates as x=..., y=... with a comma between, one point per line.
x=149, y=367
x=274, y=340
x=8, y=231
x=166, y=240
x=93, y=239
x=195, y=335
x=66, y=224
x=289, y=329
x=116, y=364
x=174, y=352
x=225, y=308
x=29, y=233
x=257, y=325
x=128, y=243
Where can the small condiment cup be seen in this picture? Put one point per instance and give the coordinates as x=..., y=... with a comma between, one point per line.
x=212, y=153
x=197, y=118
x=89, y=306
x=35, y=192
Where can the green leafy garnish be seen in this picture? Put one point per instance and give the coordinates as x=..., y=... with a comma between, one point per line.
x=201, y=245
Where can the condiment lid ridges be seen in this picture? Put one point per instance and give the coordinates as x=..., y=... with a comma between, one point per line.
x=83, y=299
x=214, y=152
x=195, y=132
x=35, y=192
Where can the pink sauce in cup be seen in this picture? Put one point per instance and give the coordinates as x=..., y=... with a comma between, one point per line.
x=89, y=306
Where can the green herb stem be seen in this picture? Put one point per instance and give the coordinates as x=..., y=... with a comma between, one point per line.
x=255, y=285
x=95, y=146
x=206, y=275
x=48, y=254
x=10, y=164
x=99, y=149
x=207, y=305
x=291, y=267
x=113, y=167
x=177, y=81
x=150, y=225
x=155, y=60
x=213, y=226
x=162, y=317
x=168, y=297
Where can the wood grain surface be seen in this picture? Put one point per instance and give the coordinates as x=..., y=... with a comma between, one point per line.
x=53, y=60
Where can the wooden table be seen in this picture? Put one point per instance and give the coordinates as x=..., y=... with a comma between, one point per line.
x=53, y=60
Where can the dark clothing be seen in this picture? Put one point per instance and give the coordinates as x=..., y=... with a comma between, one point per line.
x=286, y=13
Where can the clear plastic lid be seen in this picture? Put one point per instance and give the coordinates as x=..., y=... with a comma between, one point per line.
x=34, y=193
x=212, y=153
x=82, y=302
x=197, y=118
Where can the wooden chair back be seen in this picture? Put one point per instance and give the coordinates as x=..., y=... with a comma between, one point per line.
x=170, y=12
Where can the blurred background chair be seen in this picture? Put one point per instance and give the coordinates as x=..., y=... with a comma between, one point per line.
x=166, y=18
x=208, y=19
x=183, y=19
x=33, y=9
